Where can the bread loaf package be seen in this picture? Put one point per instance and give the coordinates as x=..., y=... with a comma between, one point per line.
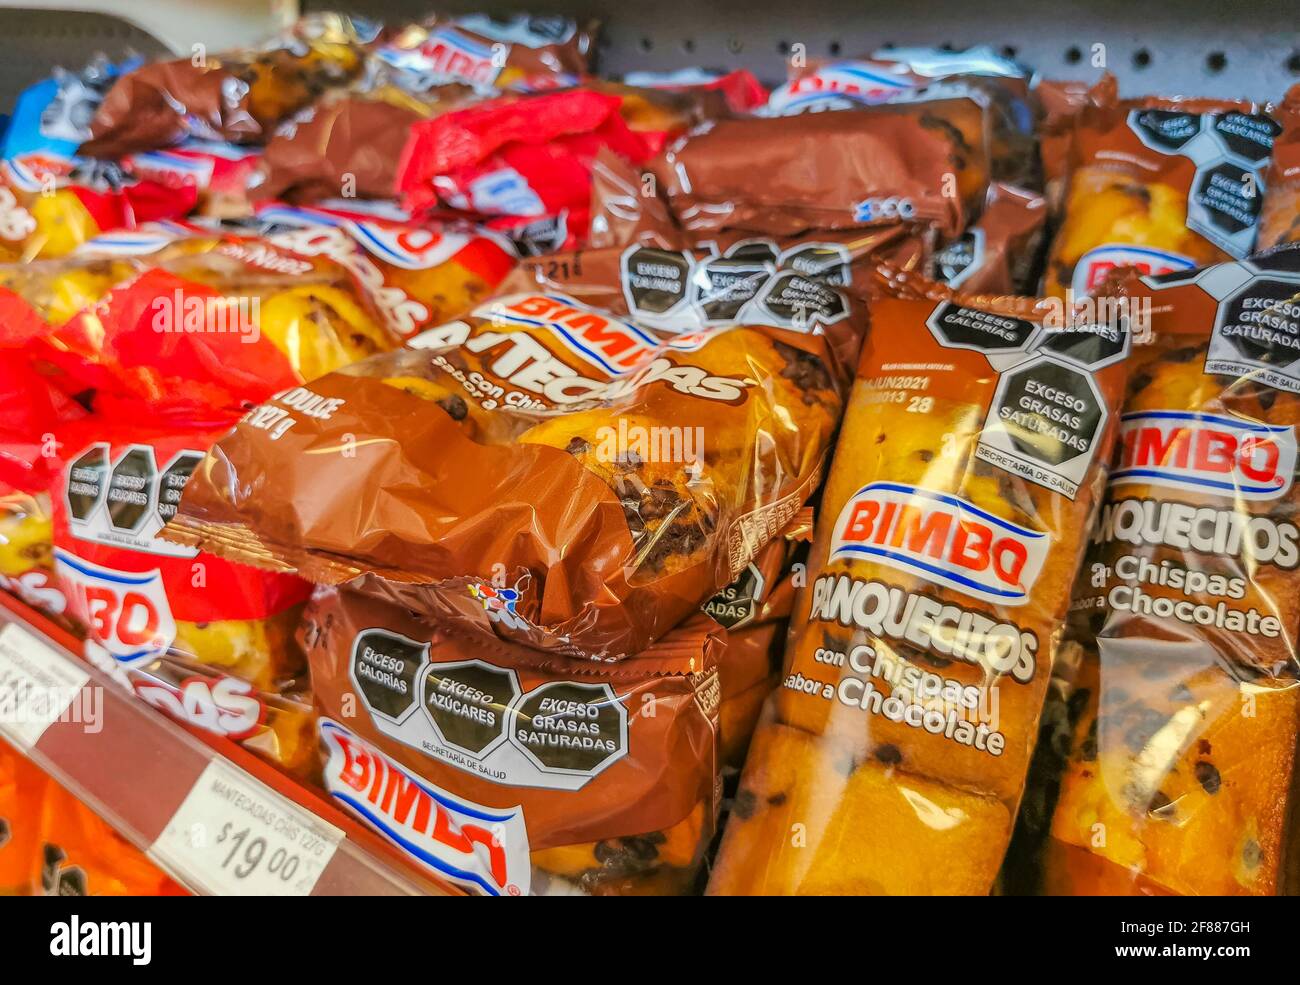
x=512, y=772
x=549, y=469
x=891, y=758
x=1159, y=184
x=1185, y=706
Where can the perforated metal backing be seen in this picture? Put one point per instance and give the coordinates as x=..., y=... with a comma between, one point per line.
x=33, y=41
x=1202, y=47
x=1209, y=47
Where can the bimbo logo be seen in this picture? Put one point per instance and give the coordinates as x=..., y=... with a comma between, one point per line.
x=615, y=346
x=941, y=538
x=1206, y=453
x=125, y=612
x=475, y=846
x=449, y=53
x=1095, y=265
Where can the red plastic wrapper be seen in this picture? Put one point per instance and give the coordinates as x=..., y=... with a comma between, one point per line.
x=514, y=772
x=235, y=97
x=214, y=175
x=520, y=161
x=32, y=412
x=171, y=350
x=516, y=51
x=526, y=441
x=49, y=217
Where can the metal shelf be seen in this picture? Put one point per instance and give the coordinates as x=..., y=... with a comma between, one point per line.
x=180, y=795
x=1196, y=47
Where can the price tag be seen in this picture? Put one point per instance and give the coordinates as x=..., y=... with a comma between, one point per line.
x=38, y=685
x=235, y=836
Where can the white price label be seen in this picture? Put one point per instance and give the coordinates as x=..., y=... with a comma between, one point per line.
x=38, y=685
x=235, y=836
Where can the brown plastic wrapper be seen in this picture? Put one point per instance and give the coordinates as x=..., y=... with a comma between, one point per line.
x=847, y=169
x=348, y=144
x=238, y=96
x=997, y=254
x=968, y=467
x=615, y=473
x=1158, y=184
x=1184, y=710
x=754, y=610
x=1280, y=220
x=1059, y=104
x=566, y=776
x=627, y=210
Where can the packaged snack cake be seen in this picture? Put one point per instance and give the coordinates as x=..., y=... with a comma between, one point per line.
x=998, y=253
x=166, y=352
x=1159, y=184
x=235, y=97
x=43, y=217
x=417, y=272
x=609, y=472
x=1279, y=222
x=1187, y=609
x=82, y=855
x=518, y=51
x=22, y=787
x=754, y=610
x=514, y=772
x=848, y=169
x=977, y=99
x=891, y=758
x=32, y=411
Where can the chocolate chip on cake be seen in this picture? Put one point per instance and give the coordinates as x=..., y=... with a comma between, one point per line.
x=1207, y=775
